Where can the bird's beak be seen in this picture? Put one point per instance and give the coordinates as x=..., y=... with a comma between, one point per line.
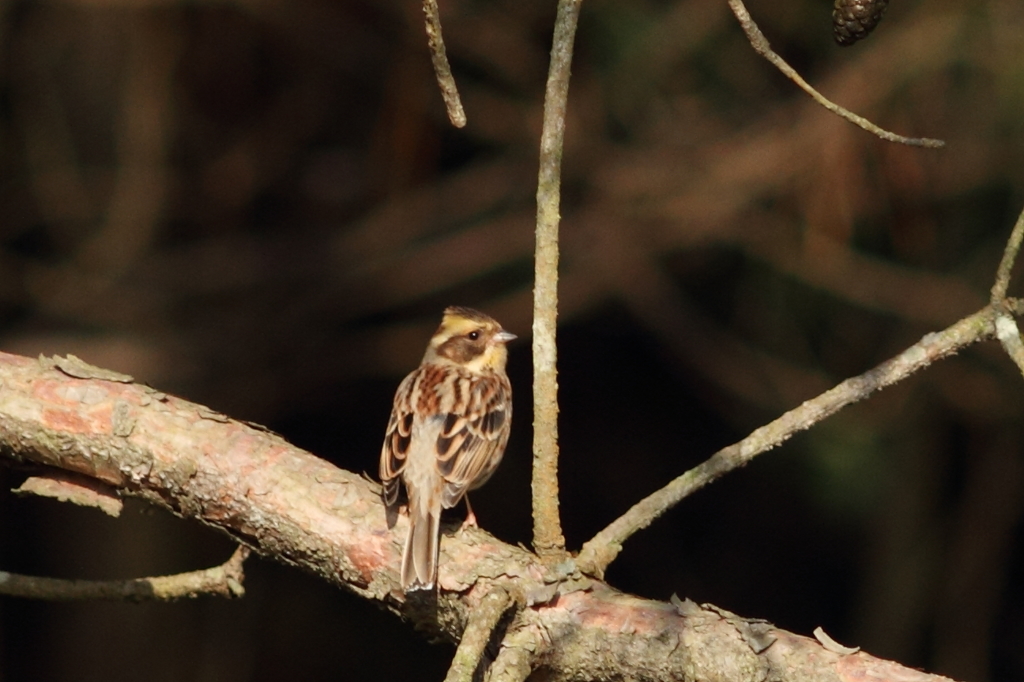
x=504, y=336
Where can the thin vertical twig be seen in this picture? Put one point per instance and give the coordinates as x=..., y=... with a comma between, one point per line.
x=1006, y=327
x=548, y=540
x=442, y=69
x=1010, y=251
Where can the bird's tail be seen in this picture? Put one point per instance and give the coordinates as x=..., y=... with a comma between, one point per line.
x=419, y=558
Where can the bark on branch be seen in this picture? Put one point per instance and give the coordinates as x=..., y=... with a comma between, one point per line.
x=547, y=526
x=291, y=506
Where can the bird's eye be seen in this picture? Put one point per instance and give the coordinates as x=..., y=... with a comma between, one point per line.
x=473, y=335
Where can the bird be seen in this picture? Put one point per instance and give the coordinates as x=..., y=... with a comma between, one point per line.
x=447, y=432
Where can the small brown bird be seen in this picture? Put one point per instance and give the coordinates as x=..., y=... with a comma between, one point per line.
x=447, y=432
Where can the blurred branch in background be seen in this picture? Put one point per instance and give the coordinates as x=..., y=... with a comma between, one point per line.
x=304, y=210
x=442, y=69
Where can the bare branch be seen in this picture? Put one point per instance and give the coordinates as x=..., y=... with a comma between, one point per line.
x=1010, y=252
x=442, y=69
x=482, y=621
x=547, y=528
x=515, y=661
x=220, y=581
x=602, y=549
x=761, y=46
x=1006, y=327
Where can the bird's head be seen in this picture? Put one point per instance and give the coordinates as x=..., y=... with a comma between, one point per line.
x=470, y=339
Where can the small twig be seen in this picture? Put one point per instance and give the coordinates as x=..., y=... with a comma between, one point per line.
x=442, y=69
x=548, y=540
x=1006, y=327
x=221, y=581
x=519, y=650
x=602, y=549
x=1006, y=264
x=482, y=621
x=761, y=46
x=1009, y=336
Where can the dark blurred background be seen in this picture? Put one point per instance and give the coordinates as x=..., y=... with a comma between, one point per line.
x=261, y=207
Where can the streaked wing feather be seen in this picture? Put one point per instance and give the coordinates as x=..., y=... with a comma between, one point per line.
x=468, y=443
x=397, y=439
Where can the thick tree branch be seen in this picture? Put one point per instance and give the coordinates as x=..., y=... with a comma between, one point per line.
x=295, y=508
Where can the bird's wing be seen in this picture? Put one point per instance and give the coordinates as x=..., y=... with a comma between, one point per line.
x=473, y=438
x=397, y=439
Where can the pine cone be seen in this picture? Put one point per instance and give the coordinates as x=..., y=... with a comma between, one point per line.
x=855, y=19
